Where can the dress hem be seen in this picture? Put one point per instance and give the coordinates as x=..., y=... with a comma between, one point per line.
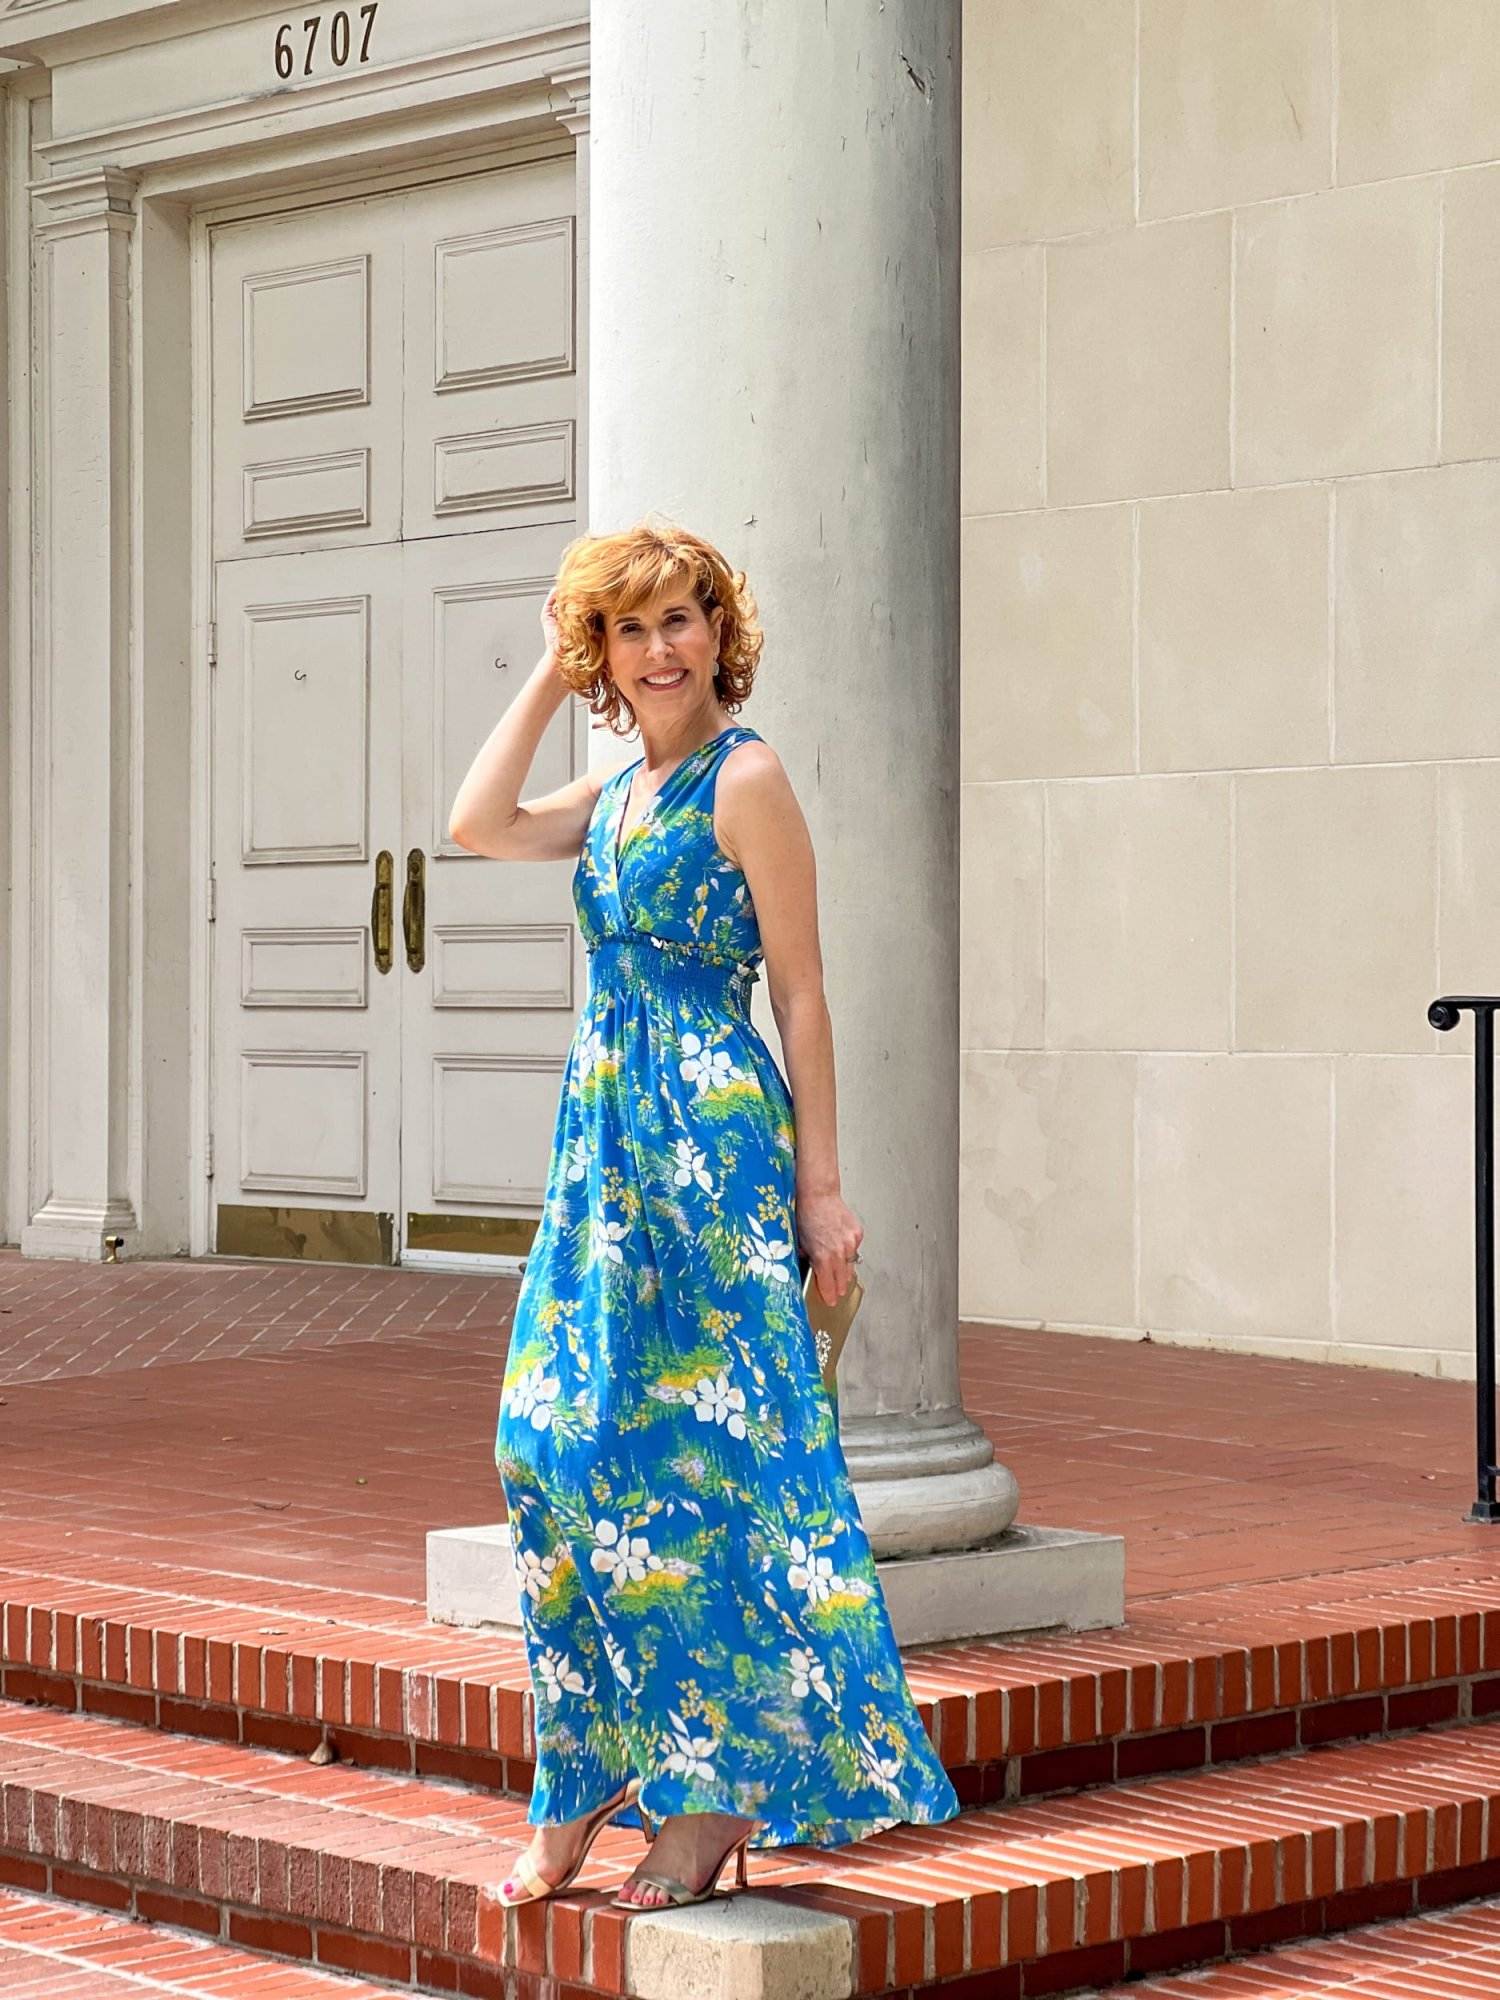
x=776, y=1830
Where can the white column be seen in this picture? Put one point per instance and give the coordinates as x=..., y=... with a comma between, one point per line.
x=81, y=875
x=775, y=361
x=773, y=311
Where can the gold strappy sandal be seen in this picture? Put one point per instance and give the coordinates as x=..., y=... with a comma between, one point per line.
x=679, y=1893
x=531, y=1878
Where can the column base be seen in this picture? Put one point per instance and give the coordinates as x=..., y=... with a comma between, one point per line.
x=927, y=1483
x=936, y=1513
x=79, y=1229
x=1022, y=1580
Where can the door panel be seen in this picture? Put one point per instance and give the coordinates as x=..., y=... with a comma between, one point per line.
x=307, y=689
x=490, y=382
x=489, y=1017
x=308, y=366
x=394, y=477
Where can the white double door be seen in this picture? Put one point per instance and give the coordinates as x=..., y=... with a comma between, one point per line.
x=394, y=476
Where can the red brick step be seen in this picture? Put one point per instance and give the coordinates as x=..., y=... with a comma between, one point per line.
x=1451, y=1955
x=1205, y=1679
x=58, y=1951
x=387, y=1874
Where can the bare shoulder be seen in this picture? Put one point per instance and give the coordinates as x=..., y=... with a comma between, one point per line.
x=751, y=774
x=754, y=800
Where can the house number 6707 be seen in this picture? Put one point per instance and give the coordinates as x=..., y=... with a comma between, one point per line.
x=347, y=40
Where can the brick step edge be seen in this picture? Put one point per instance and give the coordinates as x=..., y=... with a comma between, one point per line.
x=326, y=1947
x=1392, y=1920
x=1092, y=1711
x=1450, y=1953
x=1193, y=1953
x=44, y=1937
x=1170, y=1872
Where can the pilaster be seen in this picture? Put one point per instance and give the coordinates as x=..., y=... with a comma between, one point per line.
x=82, y=875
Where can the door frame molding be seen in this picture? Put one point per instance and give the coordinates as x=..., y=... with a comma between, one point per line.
x=470, y=111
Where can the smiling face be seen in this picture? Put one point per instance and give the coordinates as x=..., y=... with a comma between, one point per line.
x=663, y=656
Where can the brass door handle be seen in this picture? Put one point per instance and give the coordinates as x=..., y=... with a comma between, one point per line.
x=382, y=905
x=414, y=910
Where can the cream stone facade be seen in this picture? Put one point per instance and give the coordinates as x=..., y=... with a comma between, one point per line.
x=1231, y=717
x=1208, y=816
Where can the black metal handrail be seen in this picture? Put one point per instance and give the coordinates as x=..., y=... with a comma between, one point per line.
x=1444, y=1013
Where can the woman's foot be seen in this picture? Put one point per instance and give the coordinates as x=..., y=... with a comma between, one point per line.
x=687, y=1845
x=554, y=1849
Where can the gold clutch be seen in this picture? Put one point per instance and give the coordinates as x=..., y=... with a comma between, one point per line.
x=830, y=1323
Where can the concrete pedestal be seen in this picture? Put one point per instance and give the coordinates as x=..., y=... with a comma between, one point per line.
x=1024, y=1580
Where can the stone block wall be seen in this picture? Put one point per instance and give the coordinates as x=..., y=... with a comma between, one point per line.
x=1230, y=752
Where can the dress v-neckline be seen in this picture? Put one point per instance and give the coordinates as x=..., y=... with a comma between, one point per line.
x=617, y=829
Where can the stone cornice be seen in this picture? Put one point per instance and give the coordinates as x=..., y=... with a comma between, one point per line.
x=47, y=31
x=571, y=88
x=535, y=81
x=99, y=197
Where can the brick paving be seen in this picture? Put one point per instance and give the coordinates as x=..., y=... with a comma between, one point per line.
x=60, y=1319
x=58, y=1951
x=292, y=1424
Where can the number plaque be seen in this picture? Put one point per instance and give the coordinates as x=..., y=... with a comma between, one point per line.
x=322, y=42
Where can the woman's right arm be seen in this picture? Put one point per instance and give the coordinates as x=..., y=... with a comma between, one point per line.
x=488, y=817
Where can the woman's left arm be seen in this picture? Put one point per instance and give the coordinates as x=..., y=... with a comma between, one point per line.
x=760, y=826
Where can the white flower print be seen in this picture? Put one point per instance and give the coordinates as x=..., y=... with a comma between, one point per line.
x=534, y=1572
x=532, y=1394
x=578, y=1159
x=592, y=1049
x=691, y=1754
x=809, y=1676
x=622, y=1558
x=559, y=1676
x=721, y=1403
x=615, y=1654
x=692, y=1165
x=605, y=1239
x=814, y=1574
x=882, y=1771
x=709, y=1068
x=716, y=1403
x=766, y=1255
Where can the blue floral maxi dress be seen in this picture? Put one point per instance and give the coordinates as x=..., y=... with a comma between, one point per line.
x=699, y=1599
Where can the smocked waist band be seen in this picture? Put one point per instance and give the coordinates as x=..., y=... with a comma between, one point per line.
x=638, y=963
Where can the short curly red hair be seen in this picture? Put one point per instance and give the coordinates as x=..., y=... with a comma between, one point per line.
x=600, y=574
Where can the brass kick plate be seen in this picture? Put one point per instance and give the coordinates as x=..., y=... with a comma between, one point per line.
x=315, y=1235
x=473, y=1235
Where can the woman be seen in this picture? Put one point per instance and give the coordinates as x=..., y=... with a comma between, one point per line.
x=708, y=1642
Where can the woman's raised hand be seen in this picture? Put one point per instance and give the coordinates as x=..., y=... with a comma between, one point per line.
x=549, y=621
